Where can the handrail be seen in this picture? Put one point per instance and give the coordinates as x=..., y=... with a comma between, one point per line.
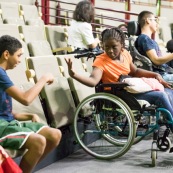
x=112, y=10
x=59, y=10
x=58, y=17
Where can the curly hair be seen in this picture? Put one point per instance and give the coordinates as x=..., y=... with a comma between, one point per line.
x=84, y=11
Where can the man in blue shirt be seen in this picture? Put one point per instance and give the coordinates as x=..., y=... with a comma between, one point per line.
x=149, y=47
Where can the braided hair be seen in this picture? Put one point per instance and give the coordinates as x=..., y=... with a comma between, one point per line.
x=114, y=33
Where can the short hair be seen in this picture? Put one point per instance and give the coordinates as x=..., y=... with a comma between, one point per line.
x=115, y=33
x=9, y=43
x=142, y=16
x=169, y=46
x=84, y=11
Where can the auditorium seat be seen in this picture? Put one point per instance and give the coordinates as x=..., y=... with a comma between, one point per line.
x=10, y=29
x=11, y=13
x=57, y=37
x=35, y=38
x=31, y=15
x=79, y=91
x=58, y=98
x=37, y=42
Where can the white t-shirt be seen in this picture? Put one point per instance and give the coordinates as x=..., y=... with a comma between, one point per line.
x=80, y=34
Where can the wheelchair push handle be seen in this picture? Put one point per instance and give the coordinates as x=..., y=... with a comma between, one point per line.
x=89, y=54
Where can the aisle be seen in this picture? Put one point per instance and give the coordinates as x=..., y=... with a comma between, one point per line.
x=136, y=160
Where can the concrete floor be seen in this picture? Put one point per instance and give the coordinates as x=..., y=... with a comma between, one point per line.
x=137, y=159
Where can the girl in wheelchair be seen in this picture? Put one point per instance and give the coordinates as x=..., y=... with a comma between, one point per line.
x=115, y=61
x=108, y=68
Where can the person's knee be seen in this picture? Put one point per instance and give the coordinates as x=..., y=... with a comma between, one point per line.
x=55, y=136
x=36, y=143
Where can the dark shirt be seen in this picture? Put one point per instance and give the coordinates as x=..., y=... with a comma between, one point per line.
x=145, y=43
x=5, y=99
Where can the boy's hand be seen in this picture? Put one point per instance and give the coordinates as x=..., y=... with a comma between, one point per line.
x=49, y=78
x=35, y=118
x=69, y=64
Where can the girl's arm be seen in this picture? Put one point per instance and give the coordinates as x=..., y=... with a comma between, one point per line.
x=138, y=72
x=90, y=81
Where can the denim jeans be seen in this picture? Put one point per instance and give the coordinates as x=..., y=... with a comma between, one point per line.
x=159, y=98
x=168, y=77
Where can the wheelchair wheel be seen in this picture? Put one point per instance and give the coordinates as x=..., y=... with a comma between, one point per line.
x=104, y=126
x=164, y=144
x=153, y=158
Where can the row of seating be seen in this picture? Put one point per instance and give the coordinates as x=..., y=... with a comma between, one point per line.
x=57, y=103
x=36, y=35
x=14, y=13
x=41, y=40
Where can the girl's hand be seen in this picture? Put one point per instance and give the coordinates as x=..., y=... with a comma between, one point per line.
x=163, y=82
x=69, y=64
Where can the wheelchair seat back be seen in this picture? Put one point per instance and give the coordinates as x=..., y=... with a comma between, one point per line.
x=139, y=60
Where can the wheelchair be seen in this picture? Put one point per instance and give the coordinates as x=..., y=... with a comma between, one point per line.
x=138, y=59
x=106, y=124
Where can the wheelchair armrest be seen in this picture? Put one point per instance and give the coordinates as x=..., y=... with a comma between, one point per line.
x=89, y=54
x=117, y=89
x=112, y=86
x=115, y=85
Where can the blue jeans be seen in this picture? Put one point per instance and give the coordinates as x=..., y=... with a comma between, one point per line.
x=158, y=98
x=168, y=77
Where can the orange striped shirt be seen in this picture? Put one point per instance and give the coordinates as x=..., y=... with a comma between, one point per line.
x=111, y=68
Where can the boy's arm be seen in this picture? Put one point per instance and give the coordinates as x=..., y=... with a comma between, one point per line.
x=159, y=60
x=26, y=116
x=26, y=97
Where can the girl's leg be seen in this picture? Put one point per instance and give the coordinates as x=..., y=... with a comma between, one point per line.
x=158, y=98
x=161, y=99
x=169, y=92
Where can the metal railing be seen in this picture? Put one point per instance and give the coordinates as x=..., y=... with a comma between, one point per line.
x=61, y=19
x=60, y=15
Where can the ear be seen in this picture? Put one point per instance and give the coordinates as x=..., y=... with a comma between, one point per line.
x=6, y=54
x=147, y=21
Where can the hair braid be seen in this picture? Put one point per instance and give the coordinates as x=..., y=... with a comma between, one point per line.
x=115, y=33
